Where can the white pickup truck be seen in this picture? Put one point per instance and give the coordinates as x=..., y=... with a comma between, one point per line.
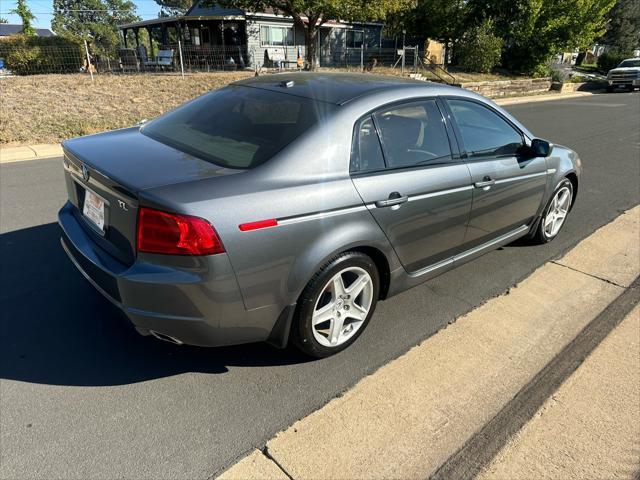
x=626, y=75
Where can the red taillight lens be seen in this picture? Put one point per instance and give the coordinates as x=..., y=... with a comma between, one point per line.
x=170, y=233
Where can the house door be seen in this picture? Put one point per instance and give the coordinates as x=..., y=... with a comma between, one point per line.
x=324, y=49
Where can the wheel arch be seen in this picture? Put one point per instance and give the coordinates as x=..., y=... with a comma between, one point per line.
x=349, y=237
x=573, y=178
x=382, y=264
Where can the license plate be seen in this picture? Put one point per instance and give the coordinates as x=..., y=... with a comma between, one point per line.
x=93, y=209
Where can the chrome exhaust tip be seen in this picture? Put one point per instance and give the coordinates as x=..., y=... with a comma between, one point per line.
x=166, y=338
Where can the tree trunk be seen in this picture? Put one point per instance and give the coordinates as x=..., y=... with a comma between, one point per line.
x=311, y=40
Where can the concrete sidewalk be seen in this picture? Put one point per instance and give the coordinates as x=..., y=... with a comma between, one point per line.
x=415, y=413
x=29, y=152
x=40, y=151
x=590, y=427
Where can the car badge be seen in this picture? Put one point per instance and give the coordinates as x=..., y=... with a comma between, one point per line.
x=85, y=173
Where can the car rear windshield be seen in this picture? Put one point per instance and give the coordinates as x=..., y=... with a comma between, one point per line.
x=237, y=127
x=630, y=63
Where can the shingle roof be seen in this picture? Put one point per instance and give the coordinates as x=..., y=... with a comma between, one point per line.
x=7, y=29
x=214, y=10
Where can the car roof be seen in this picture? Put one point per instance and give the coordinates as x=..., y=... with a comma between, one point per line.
x=336, y=88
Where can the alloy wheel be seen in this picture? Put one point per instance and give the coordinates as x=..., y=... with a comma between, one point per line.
x=342, y=306
x=557, y=212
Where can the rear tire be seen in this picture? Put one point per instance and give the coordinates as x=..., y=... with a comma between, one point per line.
x=336, y=305
x=555, y=213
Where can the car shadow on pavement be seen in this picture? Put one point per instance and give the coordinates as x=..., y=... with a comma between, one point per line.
x=56, y=329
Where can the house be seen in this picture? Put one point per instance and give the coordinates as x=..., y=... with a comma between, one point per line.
x=228, y=37
x=8, y=29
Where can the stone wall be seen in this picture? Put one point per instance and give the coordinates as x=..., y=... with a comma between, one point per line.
x=509, y=88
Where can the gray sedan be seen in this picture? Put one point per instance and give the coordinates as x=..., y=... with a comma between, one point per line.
x=284, y=207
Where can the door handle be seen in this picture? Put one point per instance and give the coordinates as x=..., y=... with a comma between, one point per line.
x=394, y=199
x=487, y=181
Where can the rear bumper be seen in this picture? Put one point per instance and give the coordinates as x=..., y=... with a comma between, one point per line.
x=195, y=300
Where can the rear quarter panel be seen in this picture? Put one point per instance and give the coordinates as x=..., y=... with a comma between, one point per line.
x=309, y=190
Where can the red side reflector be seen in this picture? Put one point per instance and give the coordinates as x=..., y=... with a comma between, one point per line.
x=272, y=222
x=174, y=234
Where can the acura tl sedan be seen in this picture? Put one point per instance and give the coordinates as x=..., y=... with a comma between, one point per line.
x=284, y=207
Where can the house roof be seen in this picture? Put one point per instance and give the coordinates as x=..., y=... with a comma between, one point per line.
x=7, y=29
x=215, y=10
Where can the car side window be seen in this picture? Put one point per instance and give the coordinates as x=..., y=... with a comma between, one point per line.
x=484, y=132
x=367, y=154
x=413, y=134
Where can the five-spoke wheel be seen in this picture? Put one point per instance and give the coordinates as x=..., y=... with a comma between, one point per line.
x=336, y=305
x=342, y=306
x=555, y=213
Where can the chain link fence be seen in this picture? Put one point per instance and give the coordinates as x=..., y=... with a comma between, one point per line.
x=181, y=59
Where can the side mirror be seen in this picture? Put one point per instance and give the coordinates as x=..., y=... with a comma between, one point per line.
x=541, y=148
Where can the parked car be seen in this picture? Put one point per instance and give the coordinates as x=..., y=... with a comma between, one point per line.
x=626, y=75
x=286, y=206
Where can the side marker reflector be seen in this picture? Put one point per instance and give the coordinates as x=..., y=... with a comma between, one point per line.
x=245, y=227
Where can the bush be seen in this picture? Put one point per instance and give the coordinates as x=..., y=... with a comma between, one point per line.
x=557, y=75
x=610, y=59
x=480, y=50
x=28, y=55
x=542, y=70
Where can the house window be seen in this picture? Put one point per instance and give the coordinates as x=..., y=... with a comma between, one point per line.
x=204, y=36
x=355, y=38
x=276, y=36
x=195, y=36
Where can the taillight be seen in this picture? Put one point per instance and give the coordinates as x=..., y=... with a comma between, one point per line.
x=174, y=234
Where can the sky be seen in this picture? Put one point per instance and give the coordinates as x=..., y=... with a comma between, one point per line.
x=43, y=9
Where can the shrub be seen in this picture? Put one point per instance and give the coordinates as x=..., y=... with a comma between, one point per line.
x=610, y=59
x=557, y=75
x=28, y=55
x=480, y=49
x=542, y=70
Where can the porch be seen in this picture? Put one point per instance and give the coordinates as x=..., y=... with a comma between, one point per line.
x=206, y=43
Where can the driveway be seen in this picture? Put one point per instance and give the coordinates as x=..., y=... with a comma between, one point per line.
x=83, y=396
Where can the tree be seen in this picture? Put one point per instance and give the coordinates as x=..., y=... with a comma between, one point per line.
x=442, y=20
x=95, y=21
x=623, y=27
x=23, y=11
x=3, y=20
x=172, y=8
x=480, y=49
x=310, y=15
x=534, y=30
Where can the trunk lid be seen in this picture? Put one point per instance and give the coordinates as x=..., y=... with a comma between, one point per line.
x=116, y=166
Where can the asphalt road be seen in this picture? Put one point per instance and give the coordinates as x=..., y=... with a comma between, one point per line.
x=83, y=396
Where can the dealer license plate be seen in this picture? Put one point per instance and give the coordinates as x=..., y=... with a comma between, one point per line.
x=93, y=209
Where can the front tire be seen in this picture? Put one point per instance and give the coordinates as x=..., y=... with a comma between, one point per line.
x=336, y=305
x=555, y=213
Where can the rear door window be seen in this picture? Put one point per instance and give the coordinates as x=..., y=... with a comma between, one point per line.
x=413, y=134
x=237, y=127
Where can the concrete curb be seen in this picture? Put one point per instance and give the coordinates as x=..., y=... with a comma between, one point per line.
x=541, y=98
x=412, y=415
x=29, y=152
x=41, y=150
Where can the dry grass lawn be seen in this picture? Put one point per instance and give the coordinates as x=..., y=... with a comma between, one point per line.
x=52, y=108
